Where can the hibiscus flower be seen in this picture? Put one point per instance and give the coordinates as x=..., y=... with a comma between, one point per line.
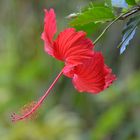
x=85, y=66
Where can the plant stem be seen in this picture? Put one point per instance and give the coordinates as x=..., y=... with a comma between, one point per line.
x=33, y=109
x=107, y=27
x=120, y=17
x=130, y=12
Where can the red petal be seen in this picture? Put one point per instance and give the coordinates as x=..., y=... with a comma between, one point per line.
x=72, y=47
x=49, y=30
x=93, y=75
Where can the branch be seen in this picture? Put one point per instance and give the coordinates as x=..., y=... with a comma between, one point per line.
x=120, y=17
x=129, y=13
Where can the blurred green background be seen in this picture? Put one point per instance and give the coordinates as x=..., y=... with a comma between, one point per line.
x=26, y=71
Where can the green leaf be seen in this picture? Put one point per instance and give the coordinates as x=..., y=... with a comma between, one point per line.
x=131, y=2
x=109, y=121
x=95, y=14
x=108, y=3
x=129, y=32
x=89, y=28
x=137, y=1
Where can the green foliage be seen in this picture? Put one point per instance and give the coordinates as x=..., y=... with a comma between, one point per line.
x=92, y=17
x=109, y=121
x=129, y=32
x=131, y=2
x=95, y=14
x=89, y=28
x=108, y=3
x=65, y=126
x=137, y=1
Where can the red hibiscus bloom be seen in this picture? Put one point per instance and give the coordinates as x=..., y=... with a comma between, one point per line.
x=85, y=66
x=93, y=75
x=70, y=46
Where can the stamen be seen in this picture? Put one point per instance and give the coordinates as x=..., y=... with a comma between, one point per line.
x=26, y=108
x=28, y=112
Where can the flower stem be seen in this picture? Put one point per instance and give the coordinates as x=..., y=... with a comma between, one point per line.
x=37, y=105
x=120, y=17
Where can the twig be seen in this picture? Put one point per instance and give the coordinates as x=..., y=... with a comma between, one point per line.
x=120, y=17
